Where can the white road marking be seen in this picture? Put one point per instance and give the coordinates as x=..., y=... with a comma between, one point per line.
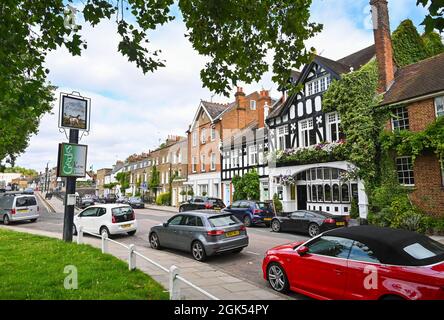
x=255, y=253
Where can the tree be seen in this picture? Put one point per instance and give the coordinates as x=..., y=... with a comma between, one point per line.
x=434, y=20
x=154, y=182
x=407, y=44
x=123, y=179
x=25, y=172
x=246, y=187
x=433, y=43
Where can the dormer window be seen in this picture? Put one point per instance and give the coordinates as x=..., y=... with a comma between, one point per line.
x=253, y=104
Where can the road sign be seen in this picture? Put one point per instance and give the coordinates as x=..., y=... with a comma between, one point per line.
x=74, y=112
x=72, y=160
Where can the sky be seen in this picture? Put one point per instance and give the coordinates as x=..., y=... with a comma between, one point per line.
x=133, y=113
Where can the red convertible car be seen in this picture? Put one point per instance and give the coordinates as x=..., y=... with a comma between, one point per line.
x=363, y=262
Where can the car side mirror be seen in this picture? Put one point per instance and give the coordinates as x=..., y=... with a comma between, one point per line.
x=302, y=250
x=165, y=224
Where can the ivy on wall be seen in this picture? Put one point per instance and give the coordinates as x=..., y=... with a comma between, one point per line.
x=408, y=46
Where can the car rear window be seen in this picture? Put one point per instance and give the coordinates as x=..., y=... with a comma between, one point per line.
x=427, y=249
x=264, y=205
x=223, y=221
x=6, y=202
x=120, y=211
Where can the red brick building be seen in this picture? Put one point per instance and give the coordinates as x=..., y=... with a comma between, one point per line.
x=415, y=95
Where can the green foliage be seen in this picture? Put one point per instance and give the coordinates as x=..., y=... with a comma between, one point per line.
x=123, y=179
x=154, y=182
x=354, y=210
x=246, y=187
x=433, y=43
x=190, y=192
x=25, y=172
x=110, y=185
x=408, y=46
x=410, y=143
x=277, y=203
x=434, y=20
x=163, y=199
x=354, y=98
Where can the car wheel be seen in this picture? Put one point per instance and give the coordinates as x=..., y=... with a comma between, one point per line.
x=74, y=230
x=276, y=225
x=6, y=220
x=154, y=241
x=198, y=251
x=131, y=233
x=181, y=209
x=313, y=230
x=104, y=230
x=247, y=221
x=277, y=278
x=33, y=220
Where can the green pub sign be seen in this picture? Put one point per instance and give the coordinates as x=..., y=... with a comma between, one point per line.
x=72, y=160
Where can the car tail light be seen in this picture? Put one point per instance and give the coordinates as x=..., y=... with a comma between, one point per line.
x=257, y=211
x=12, y=211
x=215, y=232
x=208, y=205
x=329, y=220
x=242, y=228
x=38, y=208
x=114, y=219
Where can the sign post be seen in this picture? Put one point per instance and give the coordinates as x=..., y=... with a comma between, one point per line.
x=74, y=115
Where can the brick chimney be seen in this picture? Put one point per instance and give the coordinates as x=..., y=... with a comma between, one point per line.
x=263, y=107
x=240, y=107
x=383, y=44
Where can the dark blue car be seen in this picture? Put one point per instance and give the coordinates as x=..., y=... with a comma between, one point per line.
x=252, y=212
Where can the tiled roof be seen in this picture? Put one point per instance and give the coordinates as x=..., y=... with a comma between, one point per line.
x=276, y=108
x=416, y=80
x=335, y=66
x=215, y=109
x=360, y=58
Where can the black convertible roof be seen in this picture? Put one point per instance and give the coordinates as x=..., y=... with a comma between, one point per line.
x=388, y=244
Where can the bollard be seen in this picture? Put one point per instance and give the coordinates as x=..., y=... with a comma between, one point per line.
x=80, y=235
x=174, y=283
x=104, y=243
x=131, y=257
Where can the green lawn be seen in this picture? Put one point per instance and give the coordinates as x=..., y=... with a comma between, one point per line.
x=32, y=267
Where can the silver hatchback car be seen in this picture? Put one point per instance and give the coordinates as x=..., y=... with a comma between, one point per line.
x=203, y=233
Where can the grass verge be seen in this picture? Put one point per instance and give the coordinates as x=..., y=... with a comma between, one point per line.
x=33, y=267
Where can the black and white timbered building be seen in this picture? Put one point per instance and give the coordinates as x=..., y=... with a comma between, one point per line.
x=300, y=123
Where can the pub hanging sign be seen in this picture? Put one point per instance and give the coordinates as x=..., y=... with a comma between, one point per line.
x=72, y=160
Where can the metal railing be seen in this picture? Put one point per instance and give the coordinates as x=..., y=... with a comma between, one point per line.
x=173, y=271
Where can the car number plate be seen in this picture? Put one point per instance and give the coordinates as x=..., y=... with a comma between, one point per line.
x=126, y=226
x=232, y=233
x=340, y=223
x=22, y=210
x=267, y=219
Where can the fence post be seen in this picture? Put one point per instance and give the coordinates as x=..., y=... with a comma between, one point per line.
x=104, y=243
x=80, y=235
x=174, y=283
x=131, y=257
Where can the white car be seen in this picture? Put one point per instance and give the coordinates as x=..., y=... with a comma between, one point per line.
x=110, y=219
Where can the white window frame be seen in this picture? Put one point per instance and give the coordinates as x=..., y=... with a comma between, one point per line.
x=281, y=131
x=305, y=126
x=439, y=101
x=203, y=136
x=234, y=158
x=333, y=122
x=213, y=133
x=406, y=112
x=213, y=162
x=408, y=159
x=194, y=138
x=252, y=104
x=193, y=164
x=202, y=163
x=252, y=155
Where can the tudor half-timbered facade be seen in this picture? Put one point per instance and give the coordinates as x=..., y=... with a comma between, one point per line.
x=301, y=123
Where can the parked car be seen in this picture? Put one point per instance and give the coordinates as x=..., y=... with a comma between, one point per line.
x=338, y=264
x=110, y=219
x=122, y=199
x=311, y=222
x=18, y=207
x=109, y=198
x=84, y=202
x=198, y=203
x=252, y=212
x=203, y=233
x=136, y=203
x=28, y=191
